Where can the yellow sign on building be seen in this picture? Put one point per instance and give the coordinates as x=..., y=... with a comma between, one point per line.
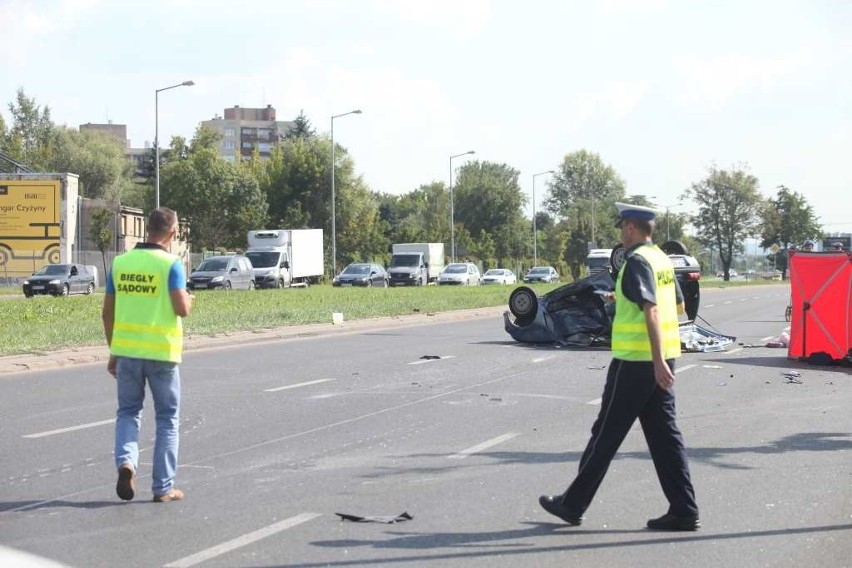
x=30, y=224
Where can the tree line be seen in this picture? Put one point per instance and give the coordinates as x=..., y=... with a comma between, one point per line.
x=222, y=200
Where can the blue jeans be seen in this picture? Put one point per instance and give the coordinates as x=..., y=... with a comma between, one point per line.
x=164, y=381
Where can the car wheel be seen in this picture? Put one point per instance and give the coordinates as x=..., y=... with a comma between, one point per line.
x=66, y=290
x=279, y=284
x=251, y=285
x=90, y=289
x=616, y=258
x=369, y=282
x=674, y=247
x=523, y=303
x=227, y=285
x=385, y=283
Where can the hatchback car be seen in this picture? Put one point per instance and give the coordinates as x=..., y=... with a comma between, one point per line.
x=460, y=273
x=542, y=274
x=60, y=280
x=499, y=276
x=362, y=274
x=223, y=272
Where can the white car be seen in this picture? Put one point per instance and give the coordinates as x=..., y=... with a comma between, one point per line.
x=460, y=273
x=499, y=276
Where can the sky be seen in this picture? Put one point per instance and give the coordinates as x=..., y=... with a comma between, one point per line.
x=661, y=90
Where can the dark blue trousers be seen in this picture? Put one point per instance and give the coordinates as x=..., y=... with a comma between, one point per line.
x=631, y=392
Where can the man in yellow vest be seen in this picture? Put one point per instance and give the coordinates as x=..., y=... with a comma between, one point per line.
x=145, y=300
x=645, y=343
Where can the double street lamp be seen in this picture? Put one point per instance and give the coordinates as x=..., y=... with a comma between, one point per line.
x=157, y=138
x=333, y=196
x=535, y=231
x=452, y=206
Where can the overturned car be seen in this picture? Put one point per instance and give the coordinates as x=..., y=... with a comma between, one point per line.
x=575, y=314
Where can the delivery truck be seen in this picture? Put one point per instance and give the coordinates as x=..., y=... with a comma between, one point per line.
x=415, y=264
x=286, y=257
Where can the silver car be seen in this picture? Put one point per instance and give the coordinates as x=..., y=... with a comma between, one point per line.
x=499, y=276
x=222, y=272
x=460, y=273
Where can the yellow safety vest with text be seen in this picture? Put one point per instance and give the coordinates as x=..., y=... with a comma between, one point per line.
x=630, y=341
x=145, y=324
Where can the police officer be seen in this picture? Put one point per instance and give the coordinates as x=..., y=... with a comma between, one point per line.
x=645, y=343
x=145, y=300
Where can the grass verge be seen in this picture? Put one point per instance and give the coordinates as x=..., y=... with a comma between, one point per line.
x=45, y=323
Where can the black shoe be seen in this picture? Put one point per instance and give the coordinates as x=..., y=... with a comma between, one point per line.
x=125, y=487
x=554, y=505
x=669, y=522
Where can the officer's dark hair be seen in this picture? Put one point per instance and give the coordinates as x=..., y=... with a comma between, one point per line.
x=646, y=226
x=161, y=221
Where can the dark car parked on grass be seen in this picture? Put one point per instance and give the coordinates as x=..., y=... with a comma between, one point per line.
x=222, y=272
x=362, y=274
x=60, y=280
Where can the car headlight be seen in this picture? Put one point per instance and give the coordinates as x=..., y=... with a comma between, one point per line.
x=26, y=282
x=54, y=282
x=336, y=279
x=217, y=279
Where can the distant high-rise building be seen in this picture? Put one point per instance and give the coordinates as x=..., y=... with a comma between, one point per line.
x=246, y=129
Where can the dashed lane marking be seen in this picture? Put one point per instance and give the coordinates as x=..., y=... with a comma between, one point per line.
x=684, y=368
x=297, y=385
x=541, y=359
x=767, y=338
x=70, y=429
x=241, y=541
x=595, y=402
x=483, y=446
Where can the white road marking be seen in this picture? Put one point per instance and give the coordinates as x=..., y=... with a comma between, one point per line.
x=767, y=338
x=727, y=302
x=540, y=359
x=241, y=541
x=733, y=351
x=70, y=429
x=483, y=446
x=297, y=385
x=684, y=368
x=551, y=396
x=710, y=306
x=595, y=402
x=421, y=361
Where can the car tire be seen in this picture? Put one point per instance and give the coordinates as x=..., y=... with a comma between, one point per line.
x=691, y=300
x=674, y=247
x=523, y=303
x=369, y=282
x=616, y=258
x=227, y=285
x=385, y=283
x=66, y=290
x=90, y=289
x=251, y=285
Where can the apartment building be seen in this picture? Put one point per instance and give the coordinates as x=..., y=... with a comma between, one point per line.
x=245, y=129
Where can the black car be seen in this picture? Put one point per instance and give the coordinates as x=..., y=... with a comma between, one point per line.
x=575, y=314
x=60, y=280
x=362, y=274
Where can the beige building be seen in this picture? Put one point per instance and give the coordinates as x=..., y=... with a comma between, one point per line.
x=245, y=129
x=136, y=156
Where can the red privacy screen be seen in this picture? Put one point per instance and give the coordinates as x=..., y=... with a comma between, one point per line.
x=821, y=285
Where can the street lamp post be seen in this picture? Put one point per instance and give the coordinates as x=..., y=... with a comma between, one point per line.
x=535, y=231
x=333, y=196
x=157, y=138
x=452, y=207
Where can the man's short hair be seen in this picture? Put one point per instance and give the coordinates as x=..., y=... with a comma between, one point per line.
x=645, y=226
x=161, y=221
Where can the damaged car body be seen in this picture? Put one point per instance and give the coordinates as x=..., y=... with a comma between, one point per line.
x=575, y=315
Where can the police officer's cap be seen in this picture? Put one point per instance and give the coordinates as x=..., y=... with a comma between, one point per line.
x=630, y=211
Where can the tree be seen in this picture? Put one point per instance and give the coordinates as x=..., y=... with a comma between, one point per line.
x=489, y=201
x=788, y=219
x=30, y=137
x=301, y=128
x=105, y=173
x=583, y=190
x=729, y=207
x=100, y=233
x=222, y=201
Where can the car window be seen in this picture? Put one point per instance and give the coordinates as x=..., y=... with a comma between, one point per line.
x=213, y=264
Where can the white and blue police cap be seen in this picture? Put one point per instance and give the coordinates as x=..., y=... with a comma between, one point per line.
x=630, y=211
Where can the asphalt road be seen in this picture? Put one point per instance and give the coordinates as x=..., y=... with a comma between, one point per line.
x=276, y=438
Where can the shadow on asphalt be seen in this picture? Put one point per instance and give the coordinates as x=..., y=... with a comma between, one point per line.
x=506, y=543
x=800, y=442
x=23, y=506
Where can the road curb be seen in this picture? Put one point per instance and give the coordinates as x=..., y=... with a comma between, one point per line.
x=87, y=355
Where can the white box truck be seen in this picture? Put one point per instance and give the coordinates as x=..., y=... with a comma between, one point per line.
x=415, y=264
x=598, y=260
x=286, y=257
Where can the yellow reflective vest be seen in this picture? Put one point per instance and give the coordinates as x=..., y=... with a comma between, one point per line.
x=630, y=341
x=145, y=324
